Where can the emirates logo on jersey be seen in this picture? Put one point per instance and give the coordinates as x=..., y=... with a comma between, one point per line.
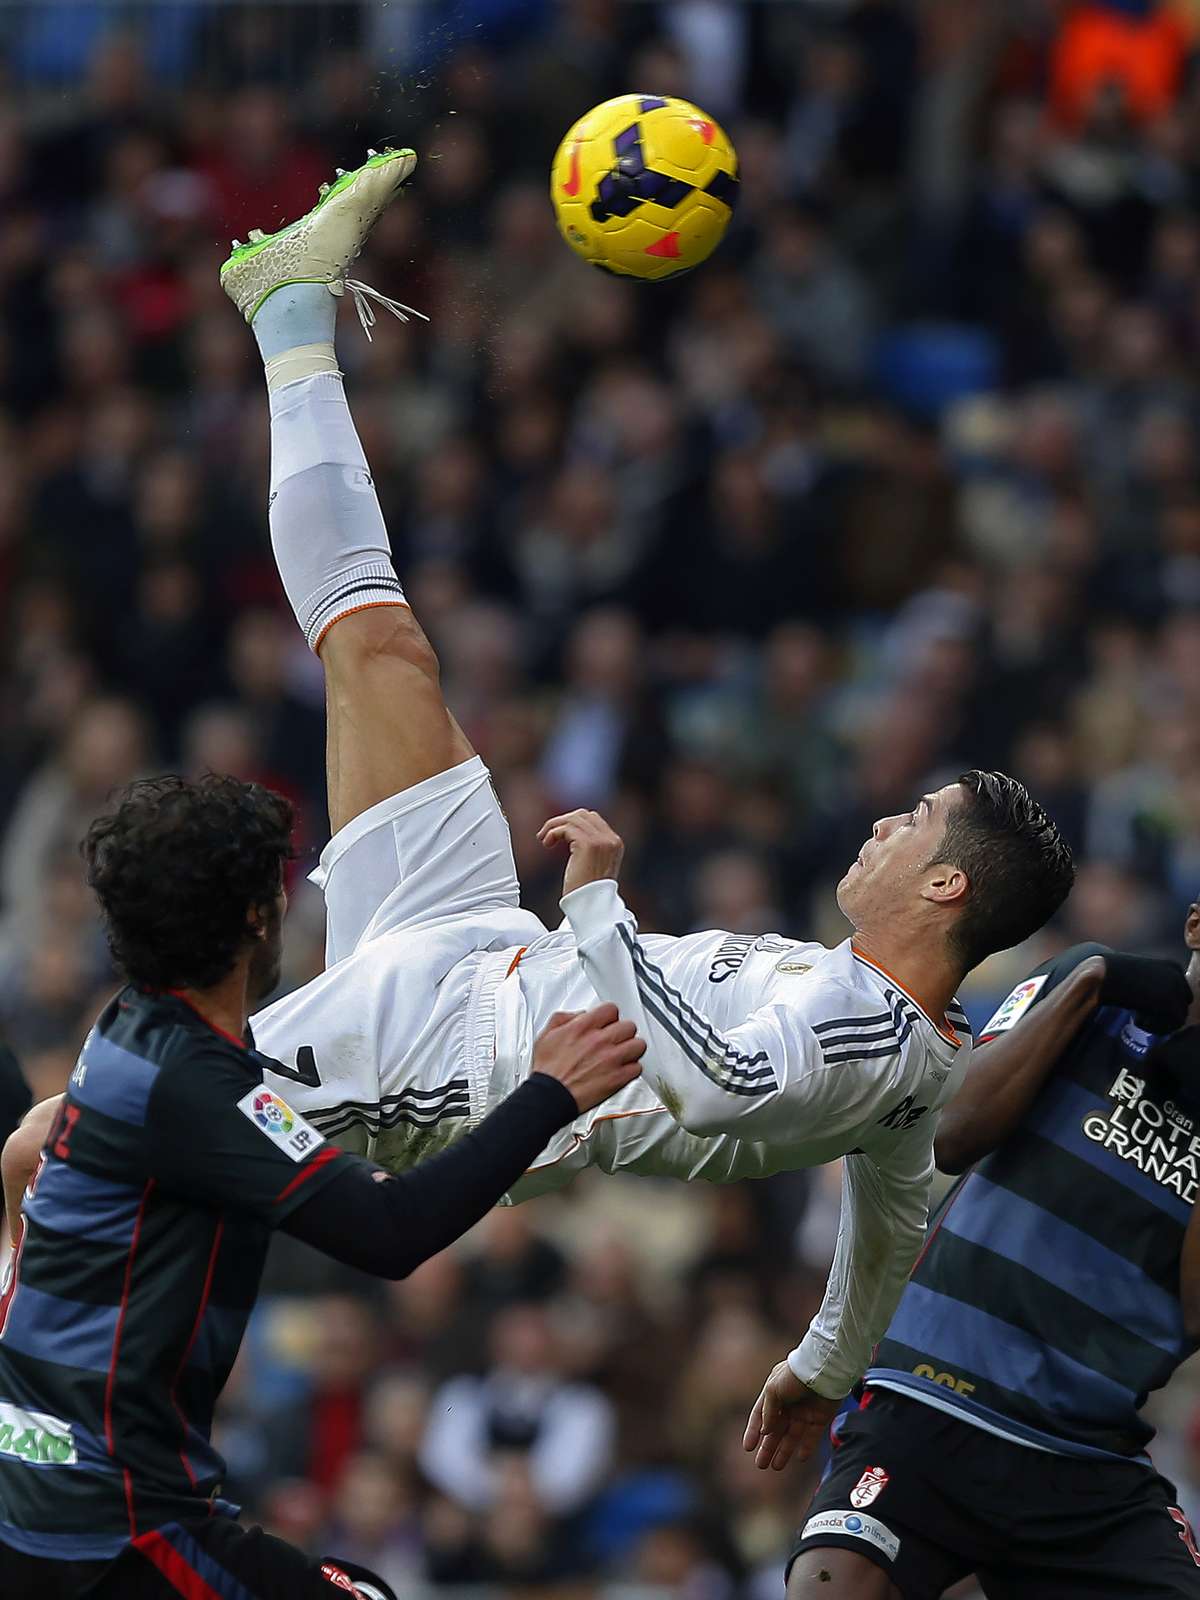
x=868, y=1488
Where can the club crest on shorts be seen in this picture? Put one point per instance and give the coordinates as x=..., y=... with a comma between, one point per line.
x=868, y=1488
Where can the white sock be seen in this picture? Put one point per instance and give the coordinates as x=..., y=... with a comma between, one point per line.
x=301, y=361
x=327, y=530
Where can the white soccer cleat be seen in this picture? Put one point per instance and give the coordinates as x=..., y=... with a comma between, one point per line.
x=320, y=246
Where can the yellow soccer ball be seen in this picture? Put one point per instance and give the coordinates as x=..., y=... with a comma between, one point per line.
x=644, y=185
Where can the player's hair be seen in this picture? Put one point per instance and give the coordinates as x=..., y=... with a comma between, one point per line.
x=177, y=865
x=1018, y=864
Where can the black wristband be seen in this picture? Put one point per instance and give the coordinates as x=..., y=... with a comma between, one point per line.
x=1155, y=991
x=555, y=1096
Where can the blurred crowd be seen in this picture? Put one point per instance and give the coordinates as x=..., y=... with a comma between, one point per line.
x=906, y=480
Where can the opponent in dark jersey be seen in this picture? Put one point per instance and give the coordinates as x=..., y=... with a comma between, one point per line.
x=144, y=1233
x=999, y=1431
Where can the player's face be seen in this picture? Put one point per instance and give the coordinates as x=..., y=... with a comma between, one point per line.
x=266, y=965
x=894, y=859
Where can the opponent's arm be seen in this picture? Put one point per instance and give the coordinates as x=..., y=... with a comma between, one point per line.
x=22, y=1152
x=1008, y=1070
x=885, y=1208
x=1006, y=1074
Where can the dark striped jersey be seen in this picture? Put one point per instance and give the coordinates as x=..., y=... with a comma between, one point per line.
x=145, y=1232
x=1045, y=1306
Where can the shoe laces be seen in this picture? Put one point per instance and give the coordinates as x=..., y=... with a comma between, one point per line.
x=362, y=294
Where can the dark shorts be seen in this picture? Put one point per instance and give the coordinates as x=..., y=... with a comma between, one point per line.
x=213, y=1560
x=930, y=1499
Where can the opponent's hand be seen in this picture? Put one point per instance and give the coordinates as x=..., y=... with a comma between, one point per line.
x=591, y=1053
x=788, y=1420
x=1155, y=991
x=596, y=850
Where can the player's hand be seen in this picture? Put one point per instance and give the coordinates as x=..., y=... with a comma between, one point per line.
x=596, y=850
x=1155, y=991
x=788, y=1420
x=591, y=1053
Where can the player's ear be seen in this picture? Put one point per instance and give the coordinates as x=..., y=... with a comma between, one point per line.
x=1191, y=928
x=944, y=884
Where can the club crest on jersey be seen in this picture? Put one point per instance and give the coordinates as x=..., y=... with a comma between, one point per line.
x=868, y=1488
x=1017, y=1004
x=272, y=1115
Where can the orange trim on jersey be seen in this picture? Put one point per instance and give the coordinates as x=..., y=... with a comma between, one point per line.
x=516, y=961
x=943, y=1027
x=582, y=1138
x=367, y=605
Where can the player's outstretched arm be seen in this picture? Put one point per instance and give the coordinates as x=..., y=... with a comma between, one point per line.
x=885, y=1208
x=764, y=1079
x=389, y=1225
x=1031, y=1031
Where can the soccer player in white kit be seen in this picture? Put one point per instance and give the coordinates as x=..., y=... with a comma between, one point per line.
x=762, y=1054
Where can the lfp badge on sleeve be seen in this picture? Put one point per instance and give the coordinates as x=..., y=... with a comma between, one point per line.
x=272, y=1115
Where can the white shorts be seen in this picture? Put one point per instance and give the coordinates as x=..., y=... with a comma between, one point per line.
x=396, y=1038
x=437, y=851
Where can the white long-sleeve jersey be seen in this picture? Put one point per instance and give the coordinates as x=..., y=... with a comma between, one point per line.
x=763, y=1055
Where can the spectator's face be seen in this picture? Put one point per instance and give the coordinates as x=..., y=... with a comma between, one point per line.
x=257, y=125
x=370, y=1498
x=733, y=892
x=895, y=863
x=396, y=1415
x=1108, y=905
x=522, y=1341
x=347, y=1349
x=256, y=655
x=106, y=748
x=795, y=664
x=603, y=653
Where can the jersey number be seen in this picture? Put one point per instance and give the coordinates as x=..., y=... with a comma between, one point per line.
x=903, y=1114
x=305, y=1070
x=62, y=1141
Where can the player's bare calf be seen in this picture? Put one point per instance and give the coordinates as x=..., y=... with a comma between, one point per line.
x=388, y=725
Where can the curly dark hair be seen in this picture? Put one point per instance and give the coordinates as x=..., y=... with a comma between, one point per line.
x=1019, y=866
x=177, y=866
